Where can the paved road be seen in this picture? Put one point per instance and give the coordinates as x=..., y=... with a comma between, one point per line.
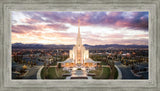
x=32, y=74
x=126, y=71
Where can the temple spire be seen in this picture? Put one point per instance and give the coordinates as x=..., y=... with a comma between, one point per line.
x=79, y=35
x=79, y=40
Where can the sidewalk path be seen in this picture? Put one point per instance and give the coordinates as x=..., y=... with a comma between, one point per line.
x=119, y=72
x=39, y=73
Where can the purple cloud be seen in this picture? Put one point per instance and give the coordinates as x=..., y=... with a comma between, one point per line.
x=21, y=29
x=139, y=20
x=35, y=23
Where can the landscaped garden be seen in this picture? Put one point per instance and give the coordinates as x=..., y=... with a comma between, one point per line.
x=52, y=73
x=116, y=74
x=101, y=73
x=104, y=73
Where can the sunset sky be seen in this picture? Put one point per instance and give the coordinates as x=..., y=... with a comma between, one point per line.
x=97, y=28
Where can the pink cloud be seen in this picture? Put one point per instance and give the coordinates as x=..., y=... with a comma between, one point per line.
x=55, y=21
x=29, y=28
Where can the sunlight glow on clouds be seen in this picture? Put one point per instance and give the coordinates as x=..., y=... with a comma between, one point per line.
x=97, y=28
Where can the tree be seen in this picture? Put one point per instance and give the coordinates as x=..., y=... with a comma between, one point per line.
x=31, y=64
x=23, y=70
x=45, y=72
x=24, y=61
x=28, y=63
x=21, y=61
x=45, y=63
x=35, y=63
x=24, y=67
x=59, y=65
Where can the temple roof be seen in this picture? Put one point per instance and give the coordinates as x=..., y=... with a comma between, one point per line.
x=89, y=60
x=69, y=60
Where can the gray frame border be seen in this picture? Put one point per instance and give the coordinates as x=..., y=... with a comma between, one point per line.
x=76, y=5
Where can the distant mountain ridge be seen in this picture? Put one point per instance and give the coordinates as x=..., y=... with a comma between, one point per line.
x=119, y=46
x=39, y=46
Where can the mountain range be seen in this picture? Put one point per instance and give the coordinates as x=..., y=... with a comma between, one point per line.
x=54, y=46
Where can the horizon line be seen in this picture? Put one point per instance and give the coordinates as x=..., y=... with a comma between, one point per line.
x=75, y=44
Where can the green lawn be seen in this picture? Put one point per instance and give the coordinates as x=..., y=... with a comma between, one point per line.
x=56, y=73
x=43, y=73
x=101, y=73
x=52, y=73
x=103, y=63
x=116, y=74
x=106, y=73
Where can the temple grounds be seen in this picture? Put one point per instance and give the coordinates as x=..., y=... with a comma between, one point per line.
x=103, y=72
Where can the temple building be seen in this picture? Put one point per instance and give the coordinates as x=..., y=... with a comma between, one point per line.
x=79, y=56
